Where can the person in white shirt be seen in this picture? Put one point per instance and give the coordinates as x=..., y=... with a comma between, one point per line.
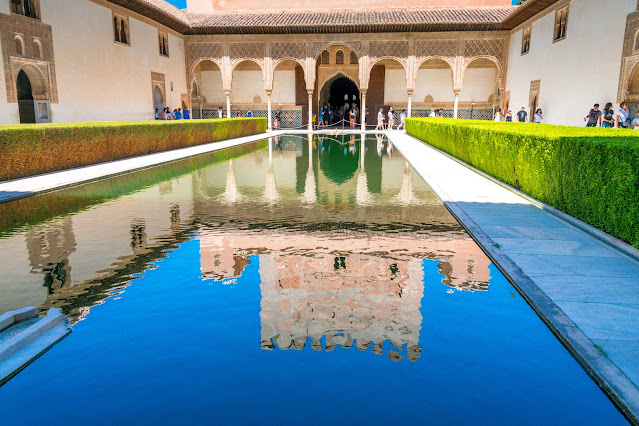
x=391, y=118
x=380, y=119
x=432, y=113
x=402, y=120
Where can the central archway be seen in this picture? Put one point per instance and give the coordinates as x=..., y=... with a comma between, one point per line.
x=26, y=107
x=338, y=91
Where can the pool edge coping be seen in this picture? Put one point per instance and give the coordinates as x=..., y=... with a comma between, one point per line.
x=606, y=374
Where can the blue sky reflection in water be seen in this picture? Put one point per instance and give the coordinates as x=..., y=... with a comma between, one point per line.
x=299, y=283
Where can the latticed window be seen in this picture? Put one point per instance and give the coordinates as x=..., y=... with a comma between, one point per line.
x=325, y=57
x=353, y=58
x=561, y=21
x=164, y=44
x=525, y=41
x=121, y=29
x=29, y=8
x=339, y=57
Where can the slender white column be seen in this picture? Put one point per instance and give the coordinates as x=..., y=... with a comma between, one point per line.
x=228, y=104
x=363, y=107
x=456, y=108
x=268, y=113
x=310, y=110
x=410, y=103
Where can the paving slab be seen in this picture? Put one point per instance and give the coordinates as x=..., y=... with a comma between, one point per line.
x=585, y=288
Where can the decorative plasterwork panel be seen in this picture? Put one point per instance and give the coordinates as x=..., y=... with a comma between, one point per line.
x=629, y=59
x=255, y=51
x=199, y=50
x=490, y=47
x=427, y=48
x=535, y=85
x=321, y=45
x=40, y=70
x=39, y=76
x=288, y=50
x=158, y=79
x=388, y=49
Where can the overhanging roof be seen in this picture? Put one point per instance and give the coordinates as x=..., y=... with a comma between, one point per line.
x=435, y=19
x=343, y=21
x=526, y=11
x=158, y=10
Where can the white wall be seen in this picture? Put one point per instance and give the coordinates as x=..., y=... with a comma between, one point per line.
x=435, y=82
x=478, y=85
x=246, y=85
x=283, y=87
x=213, y=87
x=576, y=72
x=98, y=79
x=395, y=89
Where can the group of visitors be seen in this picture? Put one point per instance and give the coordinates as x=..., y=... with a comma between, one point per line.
x=176, y=114
x=349, y=113
x=520, y=117
x=436, y=113
x=249, y=113
x=391, y=119
x=608, y=118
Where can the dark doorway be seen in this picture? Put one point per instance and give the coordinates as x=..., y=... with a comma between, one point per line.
x=26, y=107
x=342, y=90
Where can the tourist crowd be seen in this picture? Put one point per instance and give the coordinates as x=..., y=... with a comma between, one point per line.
x=608, y=118
x=176, y=114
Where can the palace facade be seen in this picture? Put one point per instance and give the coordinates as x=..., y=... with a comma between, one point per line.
x=77, y=60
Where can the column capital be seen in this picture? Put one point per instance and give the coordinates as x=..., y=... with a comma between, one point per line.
x=410, y=92
x=268, y=92
x=310, y=92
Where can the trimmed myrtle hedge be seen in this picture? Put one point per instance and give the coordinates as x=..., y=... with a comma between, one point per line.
x=16, y=215
x=27, y=150
x=589, y=173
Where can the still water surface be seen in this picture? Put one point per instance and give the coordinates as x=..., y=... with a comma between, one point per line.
x=283, y=282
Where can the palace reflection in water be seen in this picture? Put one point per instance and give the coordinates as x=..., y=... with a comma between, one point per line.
x=340, y=225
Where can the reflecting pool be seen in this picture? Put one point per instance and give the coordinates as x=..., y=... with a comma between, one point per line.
x=302, y=279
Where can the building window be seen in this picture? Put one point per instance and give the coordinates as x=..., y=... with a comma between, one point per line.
x=353, y=58
x=28, y=8
x=37, y=48
x=121, y=30
x=164, y=44
x=19, y=46
x=325, y=59
x=561, y=21
x=339, y=57
x=525, y=41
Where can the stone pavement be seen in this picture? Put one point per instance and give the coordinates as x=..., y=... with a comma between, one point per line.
x=586, y=290
x=25, y=187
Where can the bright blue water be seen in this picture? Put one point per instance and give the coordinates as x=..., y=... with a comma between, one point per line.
x=171, y=346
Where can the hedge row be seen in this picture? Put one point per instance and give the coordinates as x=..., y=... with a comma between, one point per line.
x=27, y=150
x=31, y=211
x=589, y=173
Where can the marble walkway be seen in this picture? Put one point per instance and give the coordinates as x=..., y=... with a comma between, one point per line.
x=586, y=290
